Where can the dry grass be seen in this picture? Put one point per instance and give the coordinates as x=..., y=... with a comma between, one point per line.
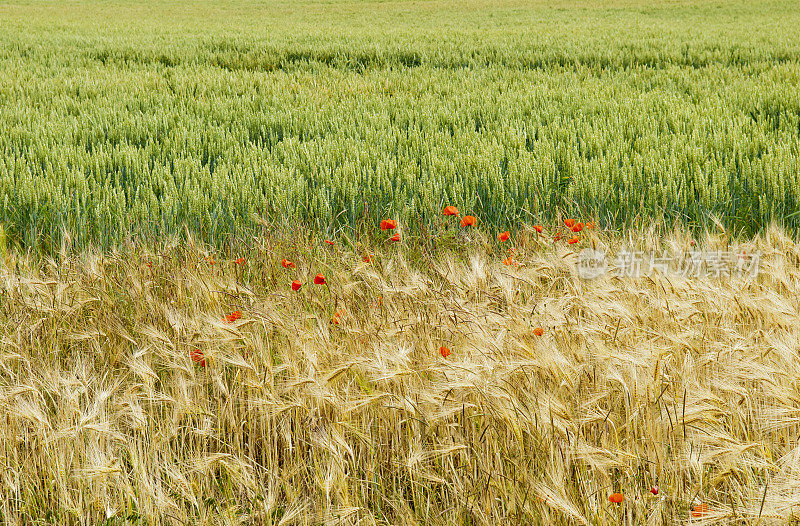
x=690, y=384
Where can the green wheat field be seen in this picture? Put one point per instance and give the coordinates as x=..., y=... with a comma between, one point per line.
x=229, y=293
x=134, y=118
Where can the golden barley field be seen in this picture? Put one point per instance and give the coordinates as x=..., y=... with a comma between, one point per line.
x=131, y=393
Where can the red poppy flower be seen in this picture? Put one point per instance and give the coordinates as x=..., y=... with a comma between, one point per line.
x=569, y=222
x=469, y=221
x=319, y=279
x=616, y=498
x=241, y=261
x=369, y=258
x=149, y=264
x=450, y=211
x=444, y=351
x=285, y=263
x=700, y=510
x=557, y=236
x=574, y=240
x=578, y=227
x=504, y=236
x=693, y=243
x=654, y=490
x=591, y=224
x=509, y=261
x=198, y=356
x=296, y=284
x=388, y=224
x=335, y=320
x=233, y=316
x=210, y=260
x=538, y=331
x=395, y=237
x=538, y=228
x=328, y=241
